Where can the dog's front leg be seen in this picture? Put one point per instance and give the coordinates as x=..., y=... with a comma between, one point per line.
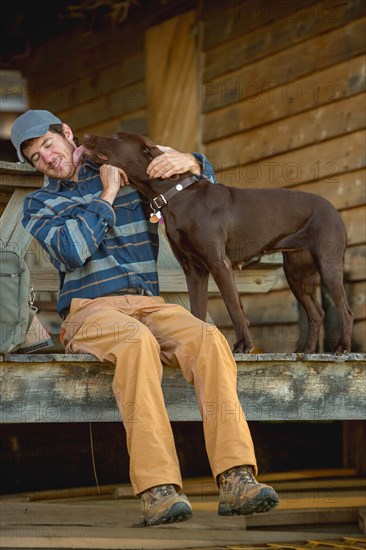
x=197, y=283
x=223, y=274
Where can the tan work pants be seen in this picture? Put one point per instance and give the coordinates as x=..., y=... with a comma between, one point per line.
x=138, y=334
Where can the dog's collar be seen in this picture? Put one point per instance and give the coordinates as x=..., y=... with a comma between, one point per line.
x=161, y=200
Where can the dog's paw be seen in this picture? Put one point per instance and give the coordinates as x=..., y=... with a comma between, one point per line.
x=242, y=347
x=342, y=349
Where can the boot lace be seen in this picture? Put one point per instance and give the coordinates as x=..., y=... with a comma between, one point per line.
x=240, y=474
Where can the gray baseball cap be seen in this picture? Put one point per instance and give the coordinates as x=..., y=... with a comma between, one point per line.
x=31, y=124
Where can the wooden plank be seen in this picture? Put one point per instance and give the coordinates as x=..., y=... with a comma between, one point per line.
x=260, y=106
x=267, y=338
x=106, y=81
x=10, y=181
x=109, y=524
x=172, y=280
x=343, y=191
x=355, y=263
x=278, y=35
x=356, y=293
x=306, y=517
x=248, y=280
x=326, y=161
x=304, y=501
x=355, y=221
x=313, y=55
x=325, y=490
x=89, y=512
x=126, y=99
x=103, y=540
x=290, y=484
x=45, y=278
x=235, y=19
x=326, y=122
x=62, y=388
x=362, y=520
x=5, y=194
x=17, y=174
x=337, y=474
x=203, y=535
x=18, y=168
x=276, y=307
x=172, y=83
x=130, y=122
x=328, y=478
x=358, y=335
x=354, y=455
x=73, y=56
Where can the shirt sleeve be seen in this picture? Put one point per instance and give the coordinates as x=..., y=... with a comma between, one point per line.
x=71, y=239
x=207, y=170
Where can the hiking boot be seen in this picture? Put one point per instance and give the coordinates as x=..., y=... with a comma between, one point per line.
x=162, y=504
x=241, y=494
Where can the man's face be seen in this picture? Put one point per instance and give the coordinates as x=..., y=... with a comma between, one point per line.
x=52, y=154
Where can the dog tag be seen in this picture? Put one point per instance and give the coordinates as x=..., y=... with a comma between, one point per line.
x=155, y=216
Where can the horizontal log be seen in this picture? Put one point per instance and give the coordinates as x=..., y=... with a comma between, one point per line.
x=124, y=99
x=283, y=387
x=131, y=122
x=325, y=50
x=319, y=161
x=78, y=57
x=283, y=136
x=358, y=335
x=75, y=91
x=16, y=174
x=355, y=222
x=347, y=189
x=17, y=168
x=277, y=36
x=227, y=20
x=356, y=293
x=278, y=307
x=274, y=103
x=251, y=280
x=355, y=263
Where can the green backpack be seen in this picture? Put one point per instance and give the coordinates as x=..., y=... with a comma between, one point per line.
x=16, y=300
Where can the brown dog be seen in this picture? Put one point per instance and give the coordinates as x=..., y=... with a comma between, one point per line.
x=214, y=228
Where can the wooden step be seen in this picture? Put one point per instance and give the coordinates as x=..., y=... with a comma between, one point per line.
x=77, y=388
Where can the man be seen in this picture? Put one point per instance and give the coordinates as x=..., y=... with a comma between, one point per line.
x=94, y=229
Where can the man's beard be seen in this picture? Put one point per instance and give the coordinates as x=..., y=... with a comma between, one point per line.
x=66, y=169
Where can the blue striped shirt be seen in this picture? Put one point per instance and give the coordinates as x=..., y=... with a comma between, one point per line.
x=98, y=249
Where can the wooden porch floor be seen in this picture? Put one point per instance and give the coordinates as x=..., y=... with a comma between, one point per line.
x=315, y=512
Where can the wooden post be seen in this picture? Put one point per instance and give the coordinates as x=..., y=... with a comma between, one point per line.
x=354, y=445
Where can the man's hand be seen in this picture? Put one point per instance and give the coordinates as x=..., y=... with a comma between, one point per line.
x=113, y=179
x=173, y=162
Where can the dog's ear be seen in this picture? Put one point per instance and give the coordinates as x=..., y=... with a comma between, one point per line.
x=148, y=141
x=151, y=152
x=149, y=149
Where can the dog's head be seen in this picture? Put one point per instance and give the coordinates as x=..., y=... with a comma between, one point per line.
x=127, y=150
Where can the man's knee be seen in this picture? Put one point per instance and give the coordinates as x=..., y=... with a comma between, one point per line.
x=211, y=335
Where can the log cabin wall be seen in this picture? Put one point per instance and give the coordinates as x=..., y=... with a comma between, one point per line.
x=283, y=106
x=95, y=82
x=279, y=104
